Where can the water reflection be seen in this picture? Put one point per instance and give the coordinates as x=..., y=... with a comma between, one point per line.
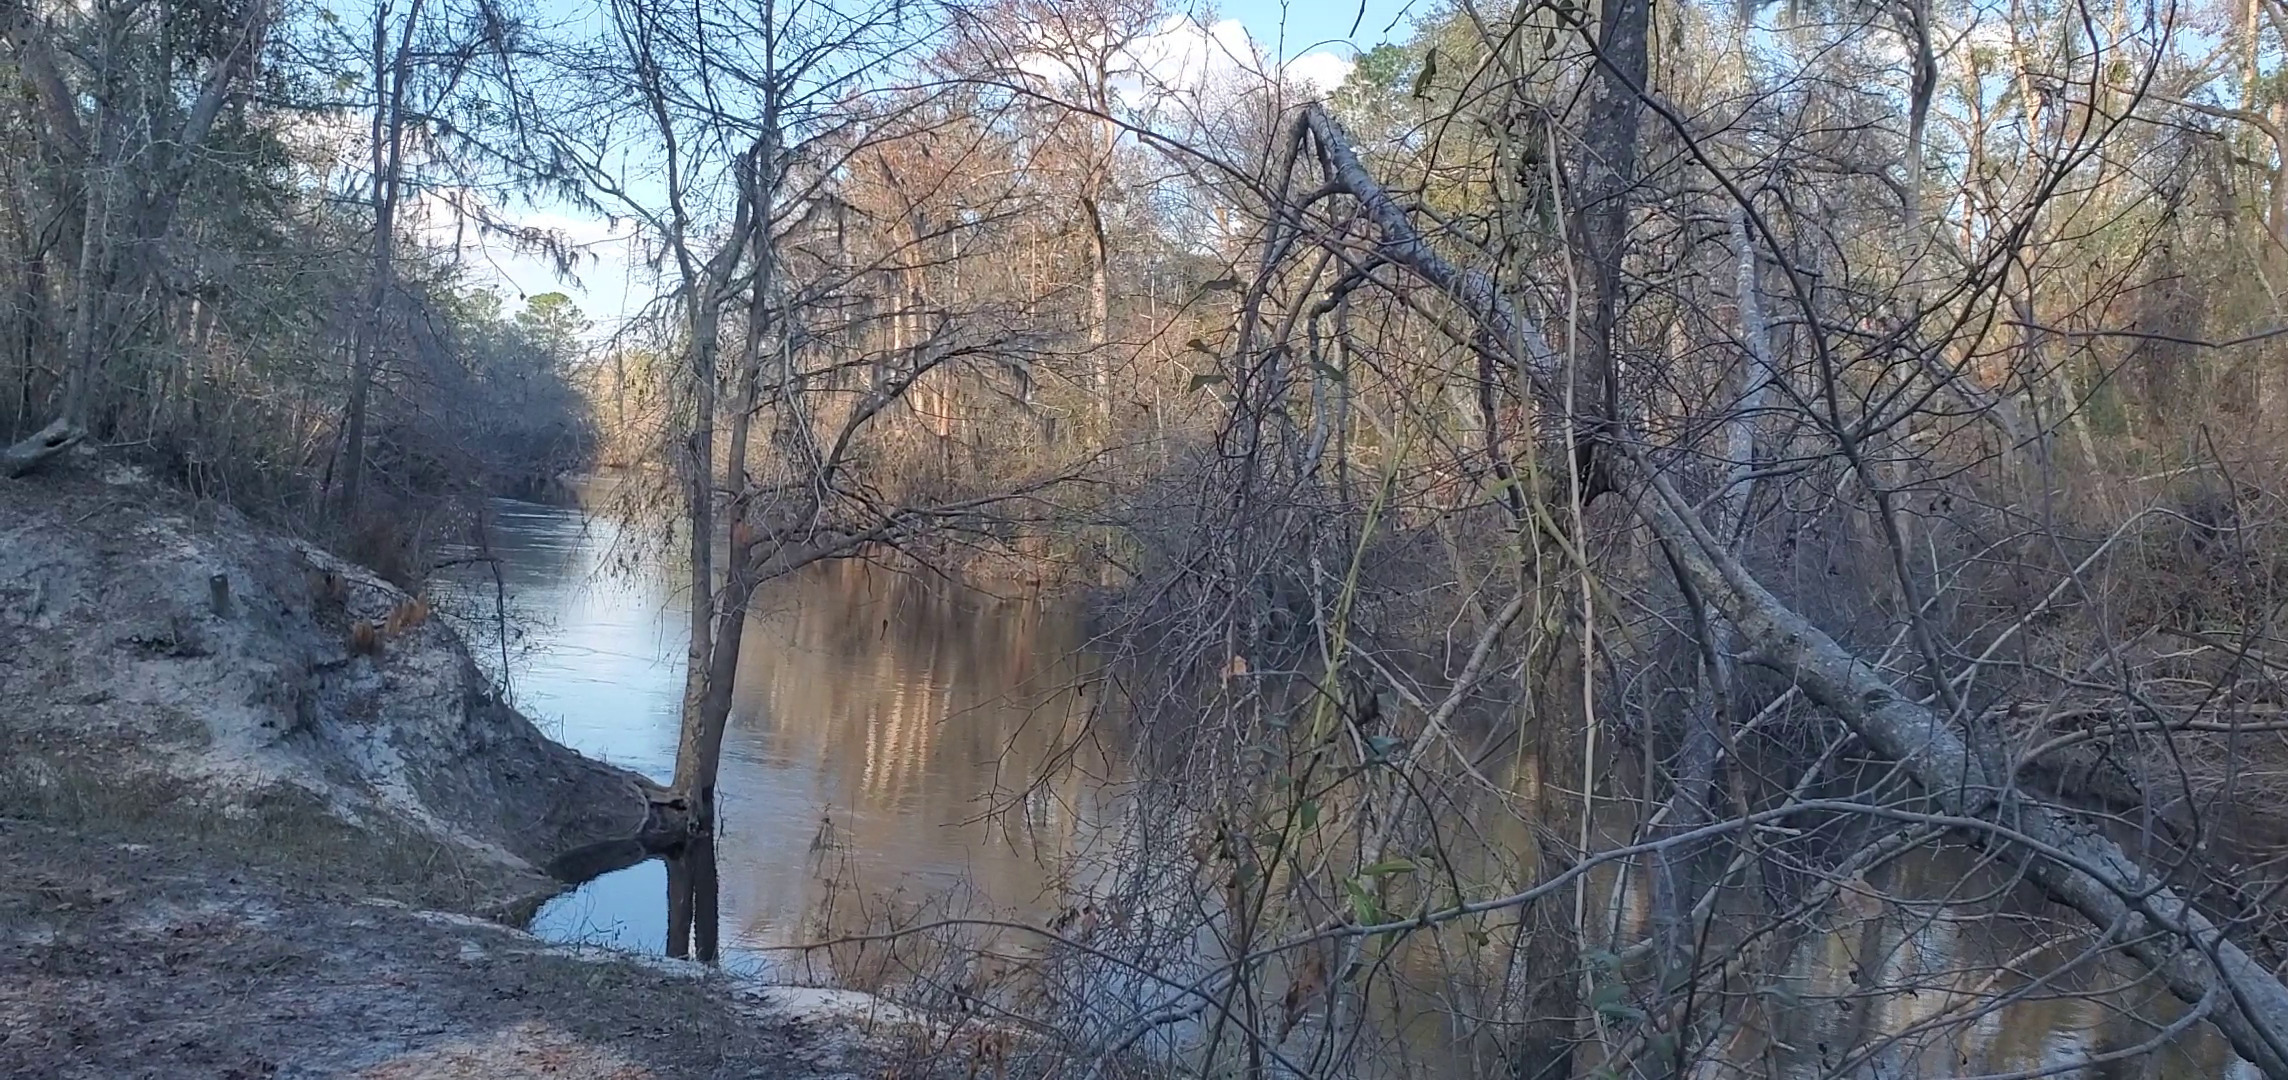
x=694, y=899
x=896, y=743
x=893, y=735
x=593, y=633
x=1946, y=964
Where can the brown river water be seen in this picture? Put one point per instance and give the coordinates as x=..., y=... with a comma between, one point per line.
x=894, y=754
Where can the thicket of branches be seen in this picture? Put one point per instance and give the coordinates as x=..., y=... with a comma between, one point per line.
x=1715, y=500
x=1674, y=539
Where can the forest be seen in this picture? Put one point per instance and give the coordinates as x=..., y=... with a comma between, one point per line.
x=1588, y=516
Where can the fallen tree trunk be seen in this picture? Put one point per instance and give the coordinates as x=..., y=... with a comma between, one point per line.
x=33, y=452
x=2073, y=860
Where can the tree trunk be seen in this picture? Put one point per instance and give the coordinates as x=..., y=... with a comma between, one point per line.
x=1691, y=802
x=1608, y=172
x=699, y=493
x=353, y=423
x=31, y=453
x=703, y=706
x=719, y=620
x=1099, y=185
x=388, y=138
x=1608, y=167
x=1099, y=309
x=90, y=286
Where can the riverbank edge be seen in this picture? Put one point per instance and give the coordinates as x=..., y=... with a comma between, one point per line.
x=228, y=819
x=123, y=959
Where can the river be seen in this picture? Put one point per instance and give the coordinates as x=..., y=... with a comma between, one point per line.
x=888, y=739
x=904, y=748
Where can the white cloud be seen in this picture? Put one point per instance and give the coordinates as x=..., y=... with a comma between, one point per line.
x=1321, y=71
x=1183, y=63
x=1186, y=57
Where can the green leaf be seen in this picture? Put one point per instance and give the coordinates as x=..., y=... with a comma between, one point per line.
x=1205, y=378
x=1388, y=867
x=1363, y=905
x=1606, y=995
x=1307, y=814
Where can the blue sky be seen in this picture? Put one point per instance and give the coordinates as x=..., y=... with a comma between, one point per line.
x=1316, y=25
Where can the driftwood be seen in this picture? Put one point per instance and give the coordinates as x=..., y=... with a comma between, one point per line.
x=1967, y=781
x=31, y=453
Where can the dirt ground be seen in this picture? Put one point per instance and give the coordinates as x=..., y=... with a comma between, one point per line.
x=122, y=959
